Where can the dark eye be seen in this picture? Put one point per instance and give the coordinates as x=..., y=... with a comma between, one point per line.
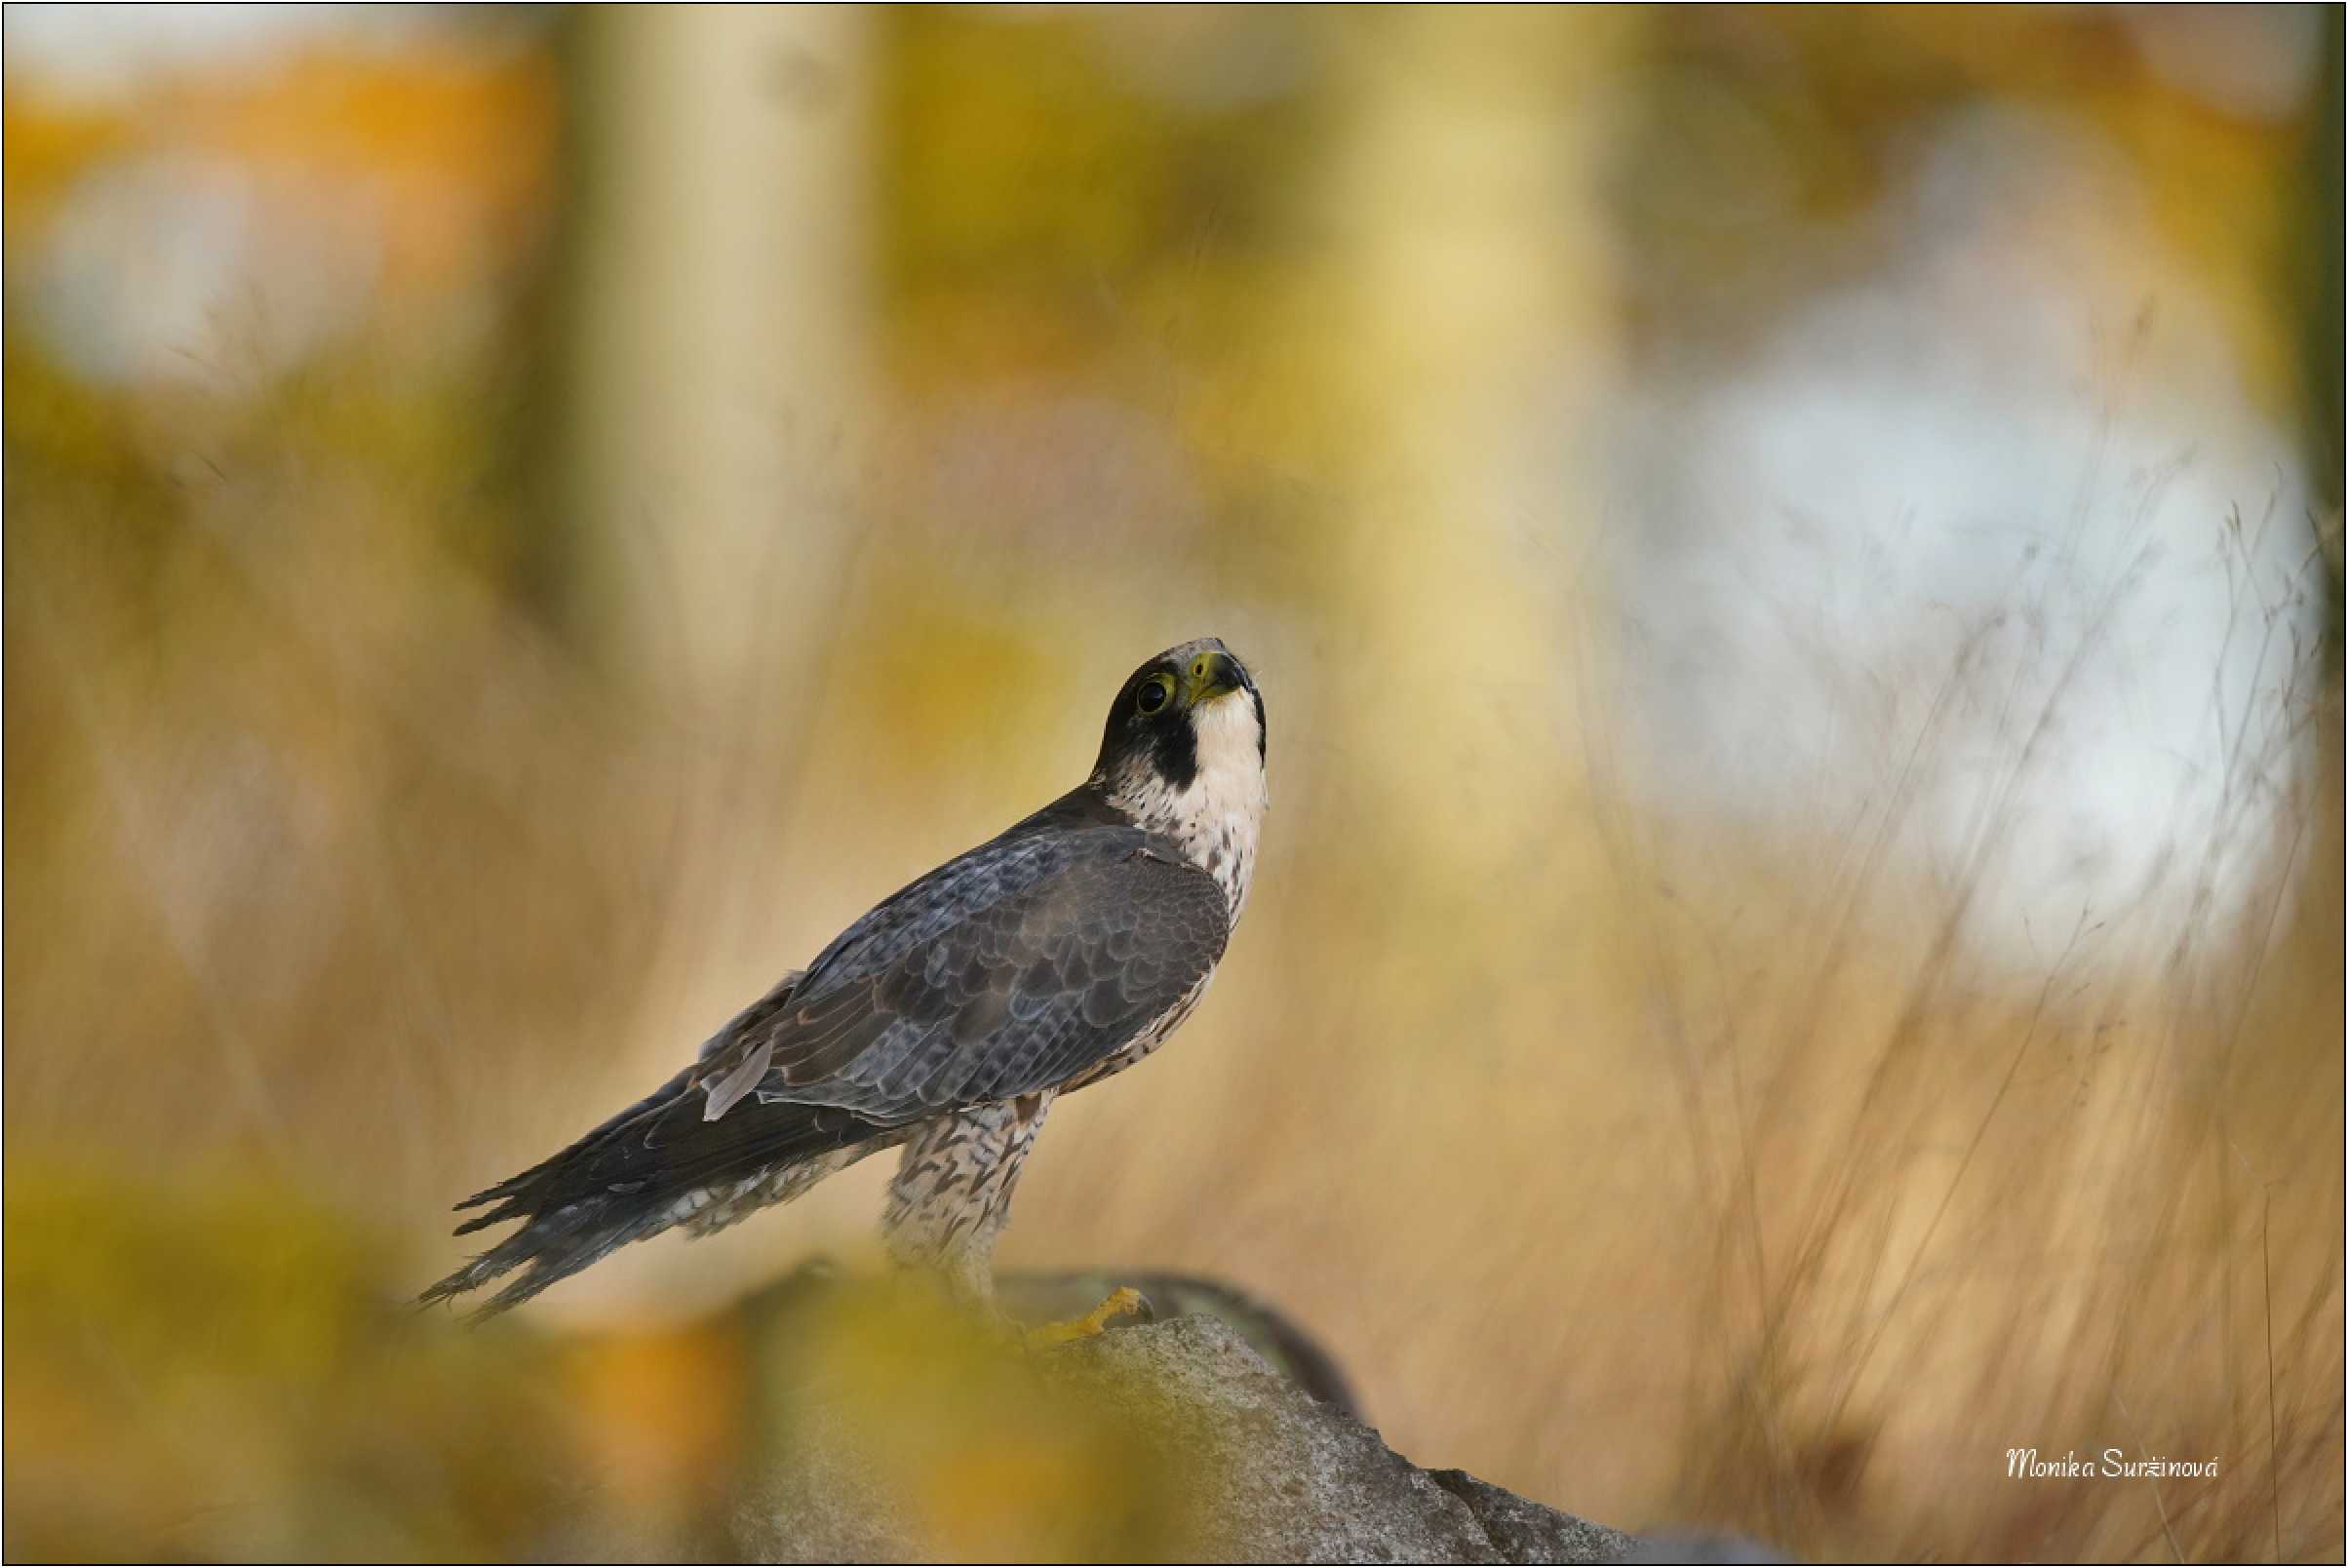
x=1155, y=694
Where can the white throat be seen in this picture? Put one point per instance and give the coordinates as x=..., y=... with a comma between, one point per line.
x=1218, y=819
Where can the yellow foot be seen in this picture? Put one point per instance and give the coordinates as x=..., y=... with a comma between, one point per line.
x=1121, y=1302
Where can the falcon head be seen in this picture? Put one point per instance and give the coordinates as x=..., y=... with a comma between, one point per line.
x=1190, y=711
x=1183, y=754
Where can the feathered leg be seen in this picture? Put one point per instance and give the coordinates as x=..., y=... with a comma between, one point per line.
x=953, y=1195
x=953, y=1192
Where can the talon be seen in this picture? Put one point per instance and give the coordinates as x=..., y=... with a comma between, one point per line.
x=1124, y=1301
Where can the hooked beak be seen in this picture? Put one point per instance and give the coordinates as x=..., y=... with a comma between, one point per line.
x=1211, y=675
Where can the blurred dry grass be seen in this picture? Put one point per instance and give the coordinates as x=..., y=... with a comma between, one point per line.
x=1782, y=1216
x=1657, y=1171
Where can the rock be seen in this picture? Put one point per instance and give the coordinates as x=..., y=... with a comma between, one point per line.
x=1715, y=1549
x=1286, y=1344
x=1170, y=1439
x=1525, y=1530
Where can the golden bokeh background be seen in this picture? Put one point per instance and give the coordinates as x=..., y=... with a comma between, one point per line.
x=1793, y=554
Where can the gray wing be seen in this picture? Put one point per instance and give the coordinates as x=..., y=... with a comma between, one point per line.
x=1010, y=969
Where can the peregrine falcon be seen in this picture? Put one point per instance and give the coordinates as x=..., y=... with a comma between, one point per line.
x=946, y=1020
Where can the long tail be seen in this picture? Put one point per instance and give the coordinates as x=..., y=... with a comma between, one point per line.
x=656, y=1165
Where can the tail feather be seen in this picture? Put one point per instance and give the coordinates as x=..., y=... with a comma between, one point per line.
x=637, y=1174
x=551, y=1247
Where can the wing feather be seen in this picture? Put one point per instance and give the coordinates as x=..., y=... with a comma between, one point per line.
x=1011, y=969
